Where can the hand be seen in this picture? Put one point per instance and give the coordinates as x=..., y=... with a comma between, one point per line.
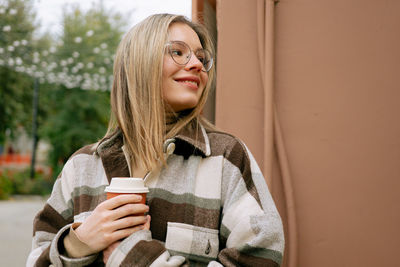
x=108, y=251
x=112, y=220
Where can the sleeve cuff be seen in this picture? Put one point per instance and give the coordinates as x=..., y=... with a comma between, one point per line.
x=57, y=259
x=74, y=247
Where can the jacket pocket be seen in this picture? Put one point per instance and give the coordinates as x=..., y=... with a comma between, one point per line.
x=193, y=242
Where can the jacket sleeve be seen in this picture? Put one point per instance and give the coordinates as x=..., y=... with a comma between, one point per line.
x=251, y=230
x=52, y=224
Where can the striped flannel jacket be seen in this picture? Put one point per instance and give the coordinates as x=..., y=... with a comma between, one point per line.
x=210, y=206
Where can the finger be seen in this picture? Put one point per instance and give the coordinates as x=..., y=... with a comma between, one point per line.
x=129, y=209
x=147, y=223
x=120, y=200
x=128, y=222
x=123, y=233
x=108, y=251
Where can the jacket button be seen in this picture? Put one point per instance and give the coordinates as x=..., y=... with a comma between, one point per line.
x=170, y=148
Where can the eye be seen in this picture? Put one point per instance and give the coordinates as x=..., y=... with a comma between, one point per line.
x=201, y=56
x=176, y=52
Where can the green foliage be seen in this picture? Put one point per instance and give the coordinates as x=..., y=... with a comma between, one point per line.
x=6, y=187
x=81, y=118
x=78, y=117
x=74, y=71
x=16, y=29
x=18, y=183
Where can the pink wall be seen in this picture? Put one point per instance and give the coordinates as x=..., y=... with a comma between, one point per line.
x=336, y=90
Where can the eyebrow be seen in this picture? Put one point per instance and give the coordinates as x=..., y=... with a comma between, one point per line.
x=194, y=50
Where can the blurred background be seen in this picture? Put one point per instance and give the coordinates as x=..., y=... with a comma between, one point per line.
x=311, y=87
x=56, y=61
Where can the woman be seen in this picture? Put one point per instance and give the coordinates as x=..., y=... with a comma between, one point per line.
x=208, y=202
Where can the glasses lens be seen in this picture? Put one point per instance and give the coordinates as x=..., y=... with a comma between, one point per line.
x=179, y=52
x=205, y=58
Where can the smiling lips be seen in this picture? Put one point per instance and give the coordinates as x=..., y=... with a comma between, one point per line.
x=191, y=81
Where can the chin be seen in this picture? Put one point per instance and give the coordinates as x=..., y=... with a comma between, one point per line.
x=179, y=108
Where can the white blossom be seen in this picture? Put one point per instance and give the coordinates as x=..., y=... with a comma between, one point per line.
x=103, y=45
x=63, y=63
x=70, y=60
x=10, y=48
x=90, y=65
x=107, y=60
x=96, y=50
x=89, y=33
x=52, y=49
x=1, y=50
x=45, y=53
x=11, y=62
x=13, y=11
x=2, y=10
x=7, y=28
x=80, y=65
x=18, y=61
x=24, y=42
x=16, y=43
x=102, y=70
x=78, y=39
x=75, y=54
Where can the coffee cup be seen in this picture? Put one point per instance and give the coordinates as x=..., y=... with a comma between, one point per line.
x=127, y=185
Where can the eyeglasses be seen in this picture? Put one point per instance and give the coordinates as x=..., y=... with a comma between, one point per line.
x=181, y=54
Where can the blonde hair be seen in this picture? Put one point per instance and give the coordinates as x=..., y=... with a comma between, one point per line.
x=136, y=97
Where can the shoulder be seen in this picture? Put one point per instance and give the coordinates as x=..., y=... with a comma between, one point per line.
x=86, y=150
x=82, y=156
x=227, y=145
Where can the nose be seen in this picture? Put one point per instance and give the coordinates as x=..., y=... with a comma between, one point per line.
x=194, y=64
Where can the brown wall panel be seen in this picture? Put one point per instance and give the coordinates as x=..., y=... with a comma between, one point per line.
x=337, y=93
x=239, y=93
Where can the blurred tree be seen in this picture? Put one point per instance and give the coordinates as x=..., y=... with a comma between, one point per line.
x=78, y=108
x=16, y=45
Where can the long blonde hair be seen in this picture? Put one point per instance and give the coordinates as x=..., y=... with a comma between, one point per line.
x=136, y=96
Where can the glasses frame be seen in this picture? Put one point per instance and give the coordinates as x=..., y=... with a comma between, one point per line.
x=168, y=47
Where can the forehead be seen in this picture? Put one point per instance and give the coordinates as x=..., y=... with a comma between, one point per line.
x=183, y=32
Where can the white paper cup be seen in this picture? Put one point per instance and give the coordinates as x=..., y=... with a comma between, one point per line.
x=127, y=185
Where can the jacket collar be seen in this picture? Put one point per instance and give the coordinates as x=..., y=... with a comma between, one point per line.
x=195, y=136
x=190, y=140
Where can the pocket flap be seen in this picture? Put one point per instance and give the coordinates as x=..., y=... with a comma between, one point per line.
x=196, y=243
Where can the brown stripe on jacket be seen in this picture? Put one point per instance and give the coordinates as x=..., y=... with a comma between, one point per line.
x=235, y=152
x=163, y=211
x=113, y=159
x=44, y=258
x=49, y=220
x=87, y=150
x=140, y=256
x=84, y=202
